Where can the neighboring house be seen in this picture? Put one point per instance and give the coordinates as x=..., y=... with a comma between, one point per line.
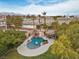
x=62, y=20
x=3, y=24
x=51, y=31
x=49, y=20
x=41, y=19
x=30, y=24
x=27, y=25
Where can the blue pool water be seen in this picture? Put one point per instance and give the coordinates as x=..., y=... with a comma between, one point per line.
x=35, y=42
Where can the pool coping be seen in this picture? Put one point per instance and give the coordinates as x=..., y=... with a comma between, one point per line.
x=25, y=51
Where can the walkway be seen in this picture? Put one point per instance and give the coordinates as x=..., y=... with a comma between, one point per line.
x=25, y=51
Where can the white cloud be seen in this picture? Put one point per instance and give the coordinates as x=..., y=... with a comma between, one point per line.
x=65, y=8
x=69, y=7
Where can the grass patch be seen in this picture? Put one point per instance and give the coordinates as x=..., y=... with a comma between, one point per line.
x=14, y=55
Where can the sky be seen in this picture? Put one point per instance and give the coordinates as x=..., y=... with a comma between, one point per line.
x=35, y=7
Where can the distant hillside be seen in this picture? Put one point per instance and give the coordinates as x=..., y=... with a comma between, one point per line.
x=10, y=13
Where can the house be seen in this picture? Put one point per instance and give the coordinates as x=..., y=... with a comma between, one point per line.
x=49, y=20
x=62, y=20
x=3, y=24
x=27, y=24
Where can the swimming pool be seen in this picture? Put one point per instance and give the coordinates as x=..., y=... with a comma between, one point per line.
x=35, y=42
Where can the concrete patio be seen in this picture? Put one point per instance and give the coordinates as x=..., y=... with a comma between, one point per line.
x=25, y=51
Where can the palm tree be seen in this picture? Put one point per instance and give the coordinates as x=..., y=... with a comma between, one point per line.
x=39, y=22
x=39, y=18
x=28, y=16
x=44, y=13
x=33, y=18
x=45, y=26
x=55, y=18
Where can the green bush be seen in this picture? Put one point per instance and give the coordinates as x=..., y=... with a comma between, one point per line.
x=10, y=39
x=67, y=45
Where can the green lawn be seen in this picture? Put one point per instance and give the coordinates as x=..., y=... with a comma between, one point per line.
x=14, y=55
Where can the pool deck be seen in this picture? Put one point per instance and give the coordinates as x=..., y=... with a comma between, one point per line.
x=25, y=51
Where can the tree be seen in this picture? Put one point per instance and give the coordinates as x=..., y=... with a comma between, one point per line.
x=63, y=48
x=9, y=39
x=55, y=26
x=67, y=44
x=73, y=33
x=14, y=21
x=33, y=18
x=28, y=16
x=55, y=17
x=44, y=13
x=39, y=18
